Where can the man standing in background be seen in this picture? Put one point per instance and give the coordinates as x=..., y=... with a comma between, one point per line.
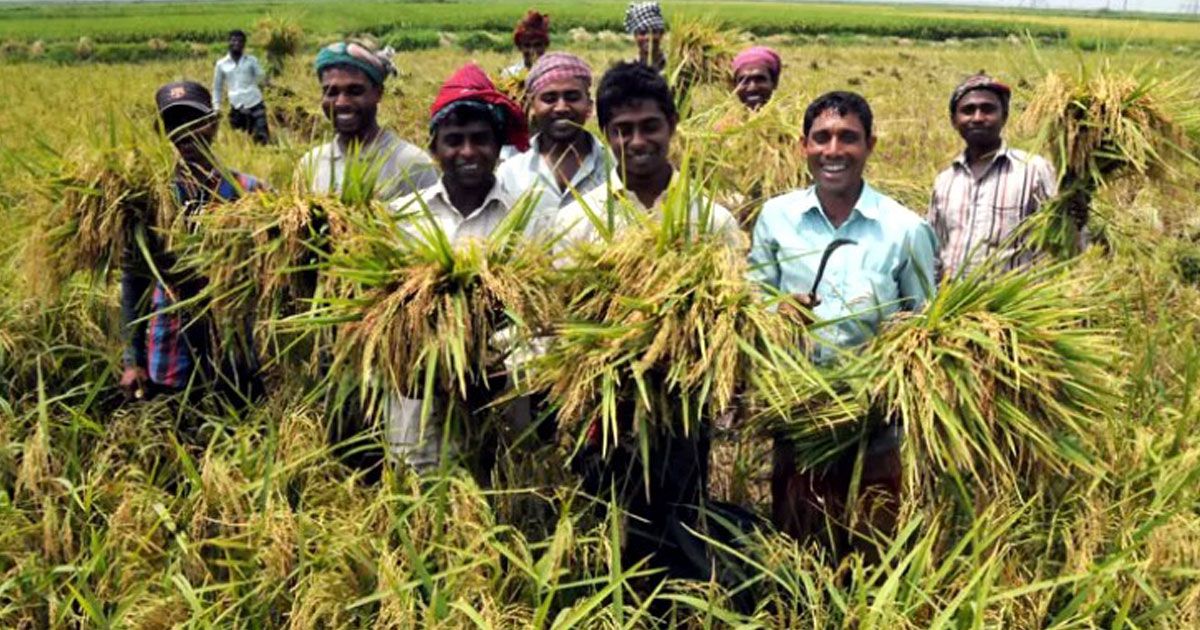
x=241, y=75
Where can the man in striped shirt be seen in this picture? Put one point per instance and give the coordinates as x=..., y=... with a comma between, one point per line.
x=987, y=192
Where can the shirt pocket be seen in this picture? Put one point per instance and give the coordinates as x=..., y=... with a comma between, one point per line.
x=1001, y=222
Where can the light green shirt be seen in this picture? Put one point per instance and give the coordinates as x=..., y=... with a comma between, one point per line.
x=890, y=268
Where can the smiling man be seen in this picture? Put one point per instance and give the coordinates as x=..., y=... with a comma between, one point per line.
x=352, y=78
x=564, y=160
x=756, y=75
x=644, y=20
x=982, y=198
x=889, y=268
x=469, y=121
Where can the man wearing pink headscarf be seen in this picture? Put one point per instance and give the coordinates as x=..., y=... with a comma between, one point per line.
x=565, y=160
x=756, y=75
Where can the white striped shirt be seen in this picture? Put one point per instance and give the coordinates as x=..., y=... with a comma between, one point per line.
x=974, y=218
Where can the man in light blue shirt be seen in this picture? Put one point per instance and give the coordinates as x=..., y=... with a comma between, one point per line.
x=890, y=267
x=240, y=74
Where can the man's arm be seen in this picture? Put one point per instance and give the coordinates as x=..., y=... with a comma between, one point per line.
x=218, y=86
x=135, y=285
x=764, y=263
x=916, y=278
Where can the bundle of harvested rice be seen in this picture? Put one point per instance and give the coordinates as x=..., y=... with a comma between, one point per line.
x=1102, y=125
x=751, y=156
x=100, y=191
x=997, y=384
x=281, y=38
x=660, y=331
x=419, y=314
x=699, y=52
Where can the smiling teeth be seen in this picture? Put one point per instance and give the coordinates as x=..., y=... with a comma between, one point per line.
x=833, y=168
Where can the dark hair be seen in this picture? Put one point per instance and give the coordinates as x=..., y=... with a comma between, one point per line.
x=630, y=81
x=237, y=32
x=843, y=103
x=462, y=115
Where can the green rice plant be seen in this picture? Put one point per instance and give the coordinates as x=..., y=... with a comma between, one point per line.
x=999, y=384
x=660, y=324
x=1101, y=125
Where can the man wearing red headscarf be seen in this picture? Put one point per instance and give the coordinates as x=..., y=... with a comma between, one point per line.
x=469, y=121
x=532, y=38
x=756, y=75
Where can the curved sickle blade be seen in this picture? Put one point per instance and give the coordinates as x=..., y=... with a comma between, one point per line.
x=829, y=249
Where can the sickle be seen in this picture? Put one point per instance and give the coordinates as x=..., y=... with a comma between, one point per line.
x=829, y=249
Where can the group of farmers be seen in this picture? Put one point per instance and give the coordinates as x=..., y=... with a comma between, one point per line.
x=480, y=158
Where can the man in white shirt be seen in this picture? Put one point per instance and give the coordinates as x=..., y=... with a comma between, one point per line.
x=240, y=75
x=565, y=160
x=470, y=121
x=380, y=163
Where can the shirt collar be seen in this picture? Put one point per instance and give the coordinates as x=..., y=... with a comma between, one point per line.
x=1001, y=153
x=497, y=194
x=867, y=205
x=617, y=186
x=381, y=140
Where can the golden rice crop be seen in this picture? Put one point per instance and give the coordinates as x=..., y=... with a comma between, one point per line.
x=699, y=52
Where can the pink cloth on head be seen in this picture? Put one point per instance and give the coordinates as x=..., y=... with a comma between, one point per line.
x=557, y=66
x=758, y=56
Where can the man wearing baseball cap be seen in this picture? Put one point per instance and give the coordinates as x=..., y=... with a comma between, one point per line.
x=565, y=160
x=981, y=199
x=163, y=351
x=352, y=76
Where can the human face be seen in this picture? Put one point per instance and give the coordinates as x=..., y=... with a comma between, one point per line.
x=979, y=119
x=837, y=148
x=640, y=136
x=532, y=50
x=350, y=100
x=237, y=44
x=194, y=140
x=467, y=153
x=754, y=86
x=647, y=42
x=560, y=109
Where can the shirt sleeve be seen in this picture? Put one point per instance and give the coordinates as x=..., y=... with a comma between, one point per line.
x=218, y=86
x=1045, y=181
x=916, y=272
x=135, y=286
x=764, y=263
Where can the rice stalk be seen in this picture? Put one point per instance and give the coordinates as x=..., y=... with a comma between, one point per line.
x=281, y=38
x=699, y=52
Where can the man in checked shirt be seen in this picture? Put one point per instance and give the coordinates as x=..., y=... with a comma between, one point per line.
x=981, y=199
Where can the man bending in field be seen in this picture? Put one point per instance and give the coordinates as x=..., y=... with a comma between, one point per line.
x=981, y=199
x=887, y=268
x=565, y=160
x=240, y=75
x=352, y=78
x=162, y=355
x=469, y=121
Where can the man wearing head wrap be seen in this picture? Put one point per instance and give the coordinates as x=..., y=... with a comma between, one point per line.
x=565, y=160
x=756, y=75
x=979, y=202
x=469, y=121
x=531, y=37
x=352, y=77
x=164, y=346
x=644, y=20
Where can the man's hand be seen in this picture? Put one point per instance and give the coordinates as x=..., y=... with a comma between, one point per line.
x=799, y=307
x=133, y=382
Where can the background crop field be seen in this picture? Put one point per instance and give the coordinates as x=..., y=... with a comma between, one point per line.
x=112, y=516
x=206, y=22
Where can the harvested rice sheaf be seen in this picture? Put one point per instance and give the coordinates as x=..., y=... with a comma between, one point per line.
x=422, y=314
x=96, y=198
x=751, y=155
x=699, y=52
x=661, y=329
x=1101, y=125
x=999, y=382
